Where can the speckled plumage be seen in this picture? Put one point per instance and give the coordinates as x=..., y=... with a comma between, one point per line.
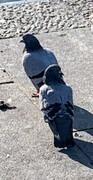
x=55, y=94
x=56, y=103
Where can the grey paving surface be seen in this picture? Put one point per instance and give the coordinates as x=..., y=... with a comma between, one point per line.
x=26, y=143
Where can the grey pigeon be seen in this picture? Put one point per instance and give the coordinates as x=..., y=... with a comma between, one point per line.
x=36, y=59
x=56, y=103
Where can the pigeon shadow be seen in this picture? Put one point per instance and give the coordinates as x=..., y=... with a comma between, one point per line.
x=83, y=120
x=5, y=108
x=81, y=152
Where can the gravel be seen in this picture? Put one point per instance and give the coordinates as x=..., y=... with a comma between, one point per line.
x=44, y=17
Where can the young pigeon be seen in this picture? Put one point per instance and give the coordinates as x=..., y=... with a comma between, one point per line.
x=35, y=60
x=56, y=103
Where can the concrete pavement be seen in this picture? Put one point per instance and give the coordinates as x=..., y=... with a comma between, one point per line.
x=26, y=146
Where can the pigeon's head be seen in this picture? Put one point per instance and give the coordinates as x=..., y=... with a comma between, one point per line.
x=31, y=42
x=53, y=74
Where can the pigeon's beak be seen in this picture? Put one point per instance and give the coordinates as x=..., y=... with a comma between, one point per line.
x=22, y=41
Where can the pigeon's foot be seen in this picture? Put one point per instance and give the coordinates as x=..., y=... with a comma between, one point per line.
x=36, y=95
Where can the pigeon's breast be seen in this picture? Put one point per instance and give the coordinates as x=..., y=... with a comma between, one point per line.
x=37, y=61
